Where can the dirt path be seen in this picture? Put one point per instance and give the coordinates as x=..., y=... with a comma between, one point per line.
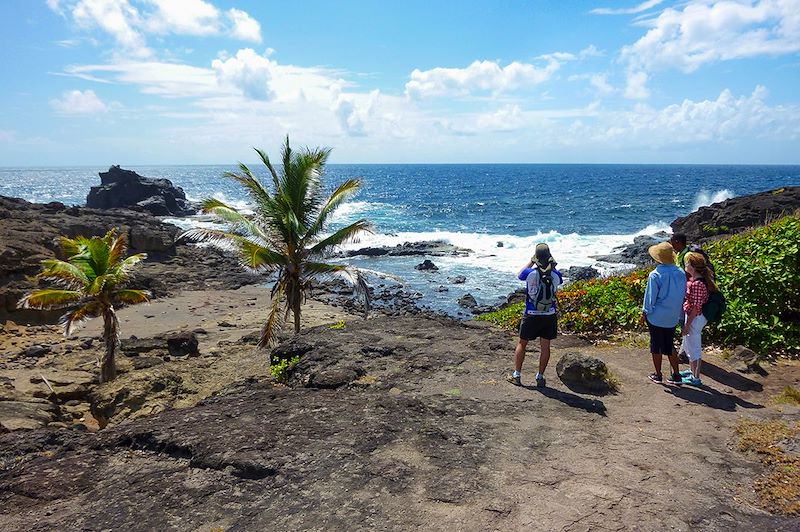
x=429, y=436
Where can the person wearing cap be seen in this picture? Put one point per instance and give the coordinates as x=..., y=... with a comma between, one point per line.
x=539, y=319
x=662, y=309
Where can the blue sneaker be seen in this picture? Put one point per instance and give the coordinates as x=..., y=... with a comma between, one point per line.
x=686, y=373
x=691, y=380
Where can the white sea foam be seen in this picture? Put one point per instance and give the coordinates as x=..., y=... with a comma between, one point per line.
x=705, y=198
x=568, y=249
x=243, y=207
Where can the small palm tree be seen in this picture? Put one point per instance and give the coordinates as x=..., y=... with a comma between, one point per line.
x=286, y=232
x=90, y=279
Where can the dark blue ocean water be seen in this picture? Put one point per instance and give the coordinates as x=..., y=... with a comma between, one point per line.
x=580, y=210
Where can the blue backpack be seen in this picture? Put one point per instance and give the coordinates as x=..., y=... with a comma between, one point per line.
x=714, y=307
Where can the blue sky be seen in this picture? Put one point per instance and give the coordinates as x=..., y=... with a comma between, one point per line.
x=137, y=82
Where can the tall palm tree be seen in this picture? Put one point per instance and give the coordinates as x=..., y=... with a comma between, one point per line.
x=286, y=232
x=91, y=280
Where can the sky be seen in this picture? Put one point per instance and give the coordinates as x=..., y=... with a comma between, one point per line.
x=156, y=82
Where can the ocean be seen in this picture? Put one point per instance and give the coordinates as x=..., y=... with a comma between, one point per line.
x=500, y=211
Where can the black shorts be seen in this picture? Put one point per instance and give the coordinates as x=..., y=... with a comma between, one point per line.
x=661, y=339
x=542, y=326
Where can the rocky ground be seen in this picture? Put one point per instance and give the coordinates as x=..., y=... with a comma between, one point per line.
x=388, y=423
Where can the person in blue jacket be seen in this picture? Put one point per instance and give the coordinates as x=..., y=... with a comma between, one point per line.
x=662, y=308
x=539, y=319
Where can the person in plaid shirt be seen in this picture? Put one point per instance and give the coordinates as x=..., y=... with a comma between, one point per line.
x=698, y=287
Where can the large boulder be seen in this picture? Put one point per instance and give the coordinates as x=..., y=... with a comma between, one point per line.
x=581, y=273
x=738, y=214
x=585, y=373
x=126, y=188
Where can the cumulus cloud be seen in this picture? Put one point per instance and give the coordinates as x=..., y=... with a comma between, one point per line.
x=636, y=86
x=598, y=80
x=353, y=110
x=244, y=27
x=704, y=31
x=724, y=119
x=183, y=17
x=130, y=21
x=644, y=6
x=480, y=76
x=79, y=102
x=117, y=18
x=248, y=71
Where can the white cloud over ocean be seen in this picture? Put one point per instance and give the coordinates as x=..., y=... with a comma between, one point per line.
x=78, y=102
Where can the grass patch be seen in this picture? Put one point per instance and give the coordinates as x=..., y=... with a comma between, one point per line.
x=788, y=396
x=453, y=392
x=279, y=369
x=339, y=325
x=779, y=490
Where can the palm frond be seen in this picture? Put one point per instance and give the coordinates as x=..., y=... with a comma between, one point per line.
x=132, y=297
x=98, y=284
x=265, y=159
x=72, y=321
x=63, y=273
x=117, y=250
x=233, y=217
x=342, y=193
x=69, y=246
x=344, y=235
x=311, y=269
x=49, y=298
x=251, y=184
x=253, y=254
x=123, y=269
x=98, y=252
x=360, y=287
x=275, y=319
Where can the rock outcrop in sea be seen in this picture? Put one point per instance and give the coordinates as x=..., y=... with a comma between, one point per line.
x=738, y=214
x=125, y=188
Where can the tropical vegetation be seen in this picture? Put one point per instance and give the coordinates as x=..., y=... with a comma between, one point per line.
x=287, y=231
x=91, y=282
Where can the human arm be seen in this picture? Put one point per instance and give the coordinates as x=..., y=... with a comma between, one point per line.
x=525, y=271
x=650, y=294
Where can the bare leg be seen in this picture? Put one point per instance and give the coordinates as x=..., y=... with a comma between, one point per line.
x=695, y=365
x=673, y=361
x=519, y=354
x=544, y=356
x=657, y=362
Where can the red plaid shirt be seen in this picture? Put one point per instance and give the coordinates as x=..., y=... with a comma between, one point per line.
x=696, y=295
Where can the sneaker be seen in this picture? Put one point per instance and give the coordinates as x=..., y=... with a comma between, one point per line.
x=686, y=373
x=683, y=358
x=655, y=377
x=675, y=379
x=691, y=380
x=540, y=381
x=513, y=380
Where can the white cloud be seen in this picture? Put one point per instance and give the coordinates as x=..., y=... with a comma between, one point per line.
x=724, y=119
x=353, y=111
x=479, y=76
x=636, y=86
x=6, y=136
x=130, y=21
x=248, y=72
x=590, y=51
x=183, y=17
x=644, y=6
x=245, y=27
x=598, y=80
x=77, y=102
x=116, y=17
x=705, y=31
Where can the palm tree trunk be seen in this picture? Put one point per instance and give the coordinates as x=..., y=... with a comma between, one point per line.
x=296, y=311
x=108, y=366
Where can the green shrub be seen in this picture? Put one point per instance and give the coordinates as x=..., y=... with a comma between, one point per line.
x=757, y=271
x=280, y=368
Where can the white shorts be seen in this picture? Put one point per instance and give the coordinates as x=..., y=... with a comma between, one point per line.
x=692, y=342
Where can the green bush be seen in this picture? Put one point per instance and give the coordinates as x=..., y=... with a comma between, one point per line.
x=280, y=368
x=757, y=271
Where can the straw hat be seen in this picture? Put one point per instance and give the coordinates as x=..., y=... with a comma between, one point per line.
x=662, y=253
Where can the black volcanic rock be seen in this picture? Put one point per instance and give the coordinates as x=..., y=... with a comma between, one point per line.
x=127, y=189
x=738, y=214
